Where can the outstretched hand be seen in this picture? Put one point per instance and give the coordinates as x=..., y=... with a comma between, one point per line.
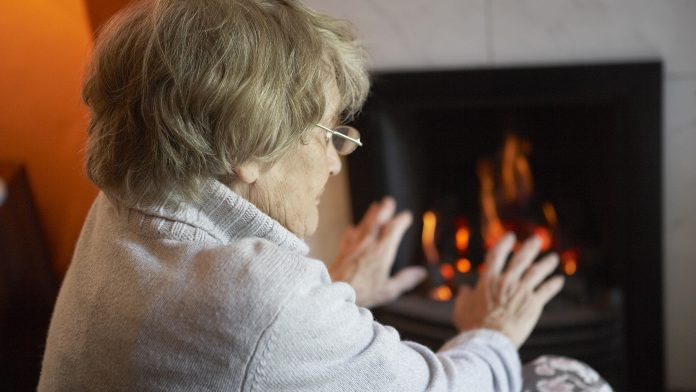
x=366, y=255
x=509, y=301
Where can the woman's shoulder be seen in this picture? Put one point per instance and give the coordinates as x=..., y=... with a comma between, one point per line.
x=256, y=271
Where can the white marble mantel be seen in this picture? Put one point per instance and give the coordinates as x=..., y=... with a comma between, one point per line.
x=418, y=34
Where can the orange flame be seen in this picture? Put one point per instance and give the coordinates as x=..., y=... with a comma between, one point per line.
x=463, y=265
x=462, y=239
x=441, y=293
x=447, y=271
x=569, y=261
x=516, y=176
x=492, y=227
x=428, y=237
x=550, y=214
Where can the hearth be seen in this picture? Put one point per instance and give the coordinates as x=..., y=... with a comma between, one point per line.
x=569, y=153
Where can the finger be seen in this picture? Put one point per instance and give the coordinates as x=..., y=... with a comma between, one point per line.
x=394, y=230
x=367, y=218
x=347, y=238
x=386, y=210
x=405, y=280
x=549, y=289
x=523, y=258
x=390, y=238
x=539, y=271
x=495, y=259
x=464, y=292
x=379, y=214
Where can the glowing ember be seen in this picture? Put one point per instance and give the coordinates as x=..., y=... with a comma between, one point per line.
x=462, y=239
x=428, y=238
x=463, y=265
x=569, y=261
x=447, y=271
x=570, y=268
x=441, y=293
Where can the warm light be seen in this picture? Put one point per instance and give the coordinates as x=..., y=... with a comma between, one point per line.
x=507, y=168
x=545, y=236
x=493, y=229
x=462, y=239
x=515, y=173
x=570, y=267
x=550, y=214
x=463, y=265
x=447, y=271
x=428, y=237
x=441, y=293
x=569, y=260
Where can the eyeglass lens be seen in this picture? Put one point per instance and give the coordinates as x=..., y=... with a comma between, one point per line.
x=345, y=146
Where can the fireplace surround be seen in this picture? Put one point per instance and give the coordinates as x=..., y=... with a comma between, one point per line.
x=593, y=143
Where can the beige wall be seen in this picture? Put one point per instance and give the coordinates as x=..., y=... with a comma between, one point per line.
x=466, y=33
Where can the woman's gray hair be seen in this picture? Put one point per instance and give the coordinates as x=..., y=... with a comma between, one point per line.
x=181, y=91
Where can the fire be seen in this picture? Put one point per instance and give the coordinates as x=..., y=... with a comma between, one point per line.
x=492, y=227
x=441, y=293
x=507, y=185
x=462, y=239
x=463, y=265
x=516, y=175
x=569, y=261
x=447, y=271
x=428, y=237
x=550, y=214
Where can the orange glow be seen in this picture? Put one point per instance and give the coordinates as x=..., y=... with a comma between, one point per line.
x=462, y=239
x=447, y=271
x=515, y=173
x=463, y=265
x=44, y=51
x=570, y=268
x=569, y=261
x=493, y=229
x=546, y=238
x=550, y=214
x=441, y=293
x=428, y=237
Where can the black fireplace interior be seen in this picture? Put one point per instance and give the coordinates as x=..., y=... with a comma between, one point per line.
x=570, y=153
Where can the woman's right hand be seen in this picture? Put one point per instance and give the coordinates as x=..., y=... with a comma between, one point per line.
x=509, y=301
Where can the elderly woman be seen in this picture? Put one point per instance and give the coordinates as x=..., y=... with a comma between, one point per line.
x=215, y=127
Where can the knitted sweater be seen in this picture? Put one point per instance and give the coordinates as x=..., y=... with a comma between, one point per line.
x=218, y=296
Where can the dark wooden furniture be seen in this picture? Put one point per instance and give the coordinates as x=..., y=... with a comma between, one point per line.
x=28, y=286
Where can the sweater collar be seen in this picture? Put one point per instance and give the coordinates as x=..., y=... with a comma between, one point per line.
x=228, y=217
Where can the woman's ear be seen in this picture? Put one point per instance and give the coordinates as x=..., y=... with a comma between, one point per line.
x=248, y=172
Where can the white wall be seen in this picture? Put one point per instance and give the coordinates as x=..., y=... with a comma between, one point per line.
x=468, y=33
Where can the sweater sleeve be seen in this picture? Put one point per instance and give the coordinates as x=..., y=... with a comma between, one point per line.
x=321, y=341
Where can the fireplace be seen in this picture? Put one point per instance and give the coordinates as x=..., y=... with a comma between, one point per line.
x=569, y=153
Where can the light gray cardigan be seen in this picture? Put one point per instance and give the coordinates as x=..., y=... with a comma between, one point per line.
x=220, y=297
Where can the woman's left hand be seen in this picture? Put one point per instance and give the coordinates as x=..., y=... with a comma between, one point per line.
x=366, y=255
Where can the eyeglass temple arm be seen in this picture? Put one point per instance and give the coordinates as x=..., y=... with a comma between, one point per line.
x=356, y=141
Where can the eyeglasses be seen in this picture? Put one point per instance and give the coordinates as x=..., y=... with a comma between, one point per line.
x=347, y=141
